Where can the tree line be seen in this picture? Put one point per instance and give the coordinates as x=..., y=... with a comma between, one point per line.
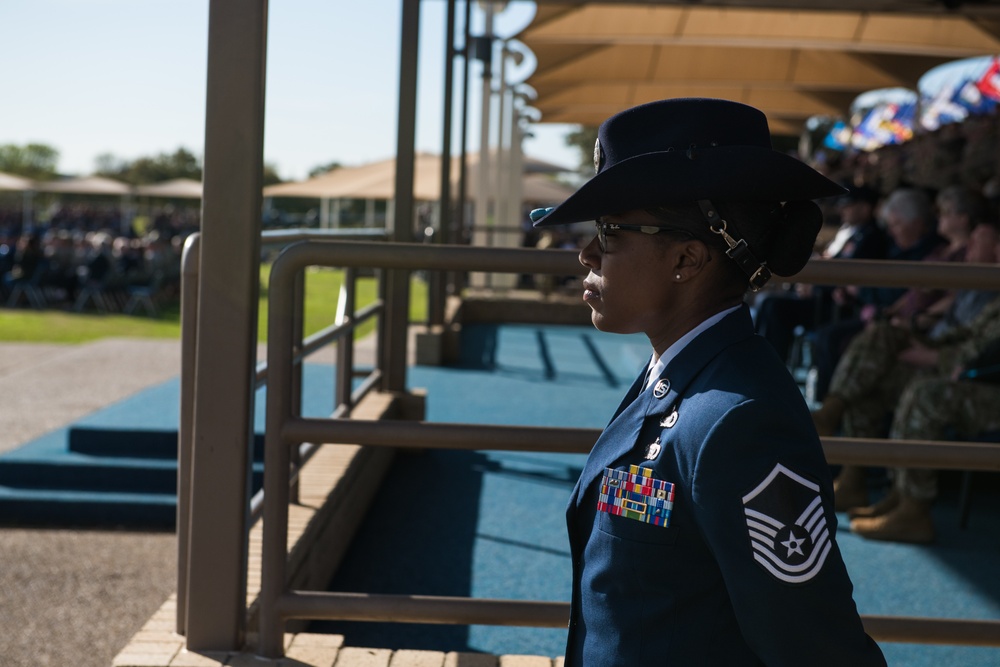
x=40, y=162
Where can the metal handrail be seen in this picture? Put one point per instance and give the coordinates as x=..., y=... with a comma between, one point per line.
x=284, y=430
x=941, y=454
x=530, y=613
x=345, y=373
x=335, y=332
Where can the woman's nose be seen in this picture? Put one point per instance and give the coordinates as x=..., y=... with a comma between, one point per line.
x=590, y=256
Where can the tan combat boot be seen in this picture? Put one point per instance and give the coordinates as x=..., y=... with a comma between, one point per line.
x=910, y=521
x=850, y=489
x=884, y=506
x=827, y=416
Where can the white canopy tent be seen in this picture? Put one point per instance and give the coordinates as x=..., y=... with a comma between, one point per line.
x=375, y=181
x=13, y=183
x=93, y=185
x=178, y=188
x=85, y=185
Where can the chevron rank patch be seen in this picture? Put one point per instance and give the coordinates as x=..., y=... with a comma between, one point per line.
x=635, y=494
x=787, y=526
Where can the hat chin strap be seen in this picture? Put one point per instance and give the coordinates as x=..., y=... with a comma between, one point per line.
x=739, y=251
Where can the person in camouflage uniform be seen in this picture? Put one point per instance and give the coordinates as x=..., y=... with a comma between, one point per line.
x=884, y=359
x=929, y=409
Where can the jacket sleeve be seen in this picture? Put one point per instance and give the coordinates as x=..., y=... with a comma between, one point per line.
x=762, y=499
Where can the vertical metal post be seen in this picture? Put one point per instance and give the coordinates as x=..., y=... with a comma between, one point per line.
x=227, y=324
x=483, y=176
x=500, y=197
x=298, y=325
x=456, y=280
x=463, y=175
x=185, y=429
x=437, y=288
x=345, y=346
x=516, y=169
x=380, y=340
x=482, y=233
x=398, y=281
x=274, y=551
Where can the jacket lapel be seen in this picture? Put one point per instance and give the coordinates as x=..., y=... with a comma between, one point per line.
x=619, y=437
x=687, y=365
x=626, y=403
x=622, y=434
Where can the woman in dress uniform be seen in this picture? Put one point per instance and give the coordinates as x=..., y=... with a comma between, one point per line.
x=702, y=529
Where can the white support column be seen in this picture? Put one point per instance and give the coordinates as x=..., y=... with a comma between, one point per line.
x=369, y=213
x=335, y=213
x=324, y=213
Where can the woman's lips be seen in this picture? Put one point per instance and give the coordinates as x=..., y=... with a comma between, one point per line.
x=590, y=292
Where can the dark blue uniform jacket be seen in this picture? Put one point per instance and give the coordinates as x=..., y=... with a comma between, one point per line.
x=719, y=548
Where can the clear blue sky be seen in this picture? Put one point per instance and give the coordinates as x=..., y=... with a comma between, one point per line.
x=127, y=77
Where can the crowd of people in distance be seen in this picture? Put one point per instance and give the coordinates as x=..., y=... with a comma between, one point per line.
x=80, y=258
x=897, y=362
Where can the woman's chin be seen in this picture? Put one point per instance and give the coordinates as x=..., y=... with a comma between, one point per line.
x=602, y=323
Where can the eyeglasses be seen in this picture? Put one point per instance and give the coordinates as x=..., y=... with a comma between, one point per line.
x=604, y=227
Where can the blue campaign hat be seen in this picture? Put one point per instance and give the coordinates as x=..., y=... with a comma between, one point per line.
x=687, y=149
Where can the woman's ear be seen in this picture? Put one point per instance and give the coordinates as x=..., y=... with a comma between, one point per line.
x=691, y=258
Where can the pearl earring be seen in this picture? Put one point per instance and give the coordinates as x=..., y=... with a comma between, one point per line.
x=677, y=277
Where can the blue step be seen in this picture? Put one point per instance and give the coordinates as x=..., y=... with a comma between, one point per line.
x=127, y=442
x=145, y=443
x=98, y=474
x=62, y=507
x=91, y=474
x=95, y=475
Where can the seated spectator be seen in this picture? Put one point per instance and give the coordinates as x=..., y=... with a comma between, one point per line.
x=858, y=237
x=880, y=362
x=127, y=257
x=64, y=256
x=28, y=257
x=96, y=267
x=909, y=219
x=934, y=408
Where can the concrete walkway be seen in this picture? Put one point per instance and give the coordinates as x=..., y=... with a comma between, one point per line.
x=45, y=387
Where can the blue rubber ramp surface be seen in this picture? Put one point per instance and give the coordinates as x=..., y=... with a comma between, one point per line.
x=488, y=524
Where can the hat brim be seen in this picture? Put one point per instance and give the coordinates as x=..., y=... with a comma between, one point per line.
x=736, y=173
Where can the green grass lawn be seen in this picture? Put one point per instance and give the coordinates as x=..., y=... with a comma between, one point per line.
x=60, y=326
